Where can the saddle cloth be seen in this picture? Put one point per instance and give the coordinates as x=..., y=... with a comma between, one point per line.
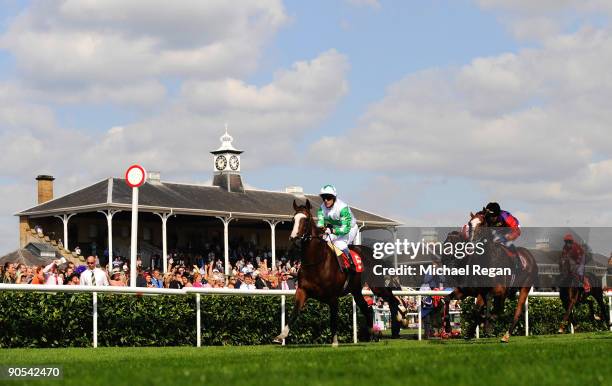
x=354, y=255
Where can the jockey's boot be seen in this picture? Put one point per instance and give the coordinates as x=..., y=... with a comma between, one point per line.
x=340, y=263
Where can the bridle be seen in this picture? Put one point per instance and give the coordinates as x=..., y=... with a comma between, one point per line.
x=306, y=237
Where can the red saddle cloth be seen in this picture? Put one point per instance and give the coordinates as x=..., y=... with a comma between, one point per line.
x=356, y=260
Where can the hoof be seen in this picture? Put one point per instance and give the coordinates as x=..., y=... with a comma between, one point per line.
x=334, y=344
x=279, y=339
x=505, y=338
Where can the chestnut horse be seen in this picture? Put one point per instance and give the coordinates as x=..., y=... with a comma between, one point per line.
x=499, y=287
x=320, y=276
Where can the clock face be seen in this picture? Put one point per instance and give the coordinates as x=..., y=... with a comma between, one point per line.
x=234, y=162
x=220, y=162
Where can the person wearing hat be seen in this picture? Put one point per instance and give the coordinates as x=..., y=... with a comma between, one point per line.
x=115, y=279
x=336, y=220
x=498, y=218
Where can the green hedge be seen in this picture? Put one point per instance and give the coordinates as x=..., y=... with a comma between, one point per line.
x=545, y=315
x=30, y=319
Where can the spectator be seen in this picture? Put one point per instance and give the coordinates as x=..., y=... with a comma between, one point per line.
x=52, y=277
x=285, y=283
x=157, y=279
x=116, y=278
x=148, y=281
x=93, y=275
x=140, y=279
x=186, y=282
x=39, y=276
x=248, y=283
x=77, y=250
x=73, y=279
x=177, y=283
x=9, y=276
x=197, y=280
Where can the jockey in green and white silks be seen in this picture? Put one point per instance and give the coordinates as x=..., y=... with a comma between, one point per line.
x=336, y=217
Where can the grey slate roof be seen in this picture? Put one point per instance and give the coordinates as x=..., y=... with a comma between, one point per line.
x=114, y=193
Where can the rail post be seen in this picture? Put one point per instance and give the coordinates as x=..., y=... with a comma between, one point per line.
x=420, y=316
x=198, y=322
x=354, y=321
x=95, y=320
x=283, y=315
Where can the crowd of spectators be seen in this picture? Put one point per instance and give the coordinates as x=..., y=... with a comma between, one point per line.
x=250, y=268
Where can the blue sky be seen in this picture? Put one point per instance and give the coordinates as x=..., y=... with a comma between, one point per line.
x=419, y=110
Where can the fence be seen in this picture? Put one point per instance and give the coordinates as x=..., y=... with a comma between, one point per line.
x=227, y=291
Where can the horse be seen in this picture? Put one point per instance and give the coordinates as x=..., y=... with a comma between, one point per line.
x=572, y=294
x=320, y=277
x=499, y=287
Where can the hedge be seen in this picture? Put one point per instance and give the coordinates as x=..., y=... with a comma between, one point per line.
x=29, y=319
x=545, y=315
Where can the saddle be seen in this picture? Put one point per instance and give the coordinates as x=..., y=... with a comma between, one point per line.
x=514, y=254
x=357, y=262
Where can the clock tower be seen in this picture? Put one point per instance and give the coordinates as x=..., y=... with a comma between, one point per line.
x=226, y=165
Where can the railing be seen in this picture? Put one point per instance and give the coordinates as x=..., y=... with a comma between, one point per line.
x=236, y=292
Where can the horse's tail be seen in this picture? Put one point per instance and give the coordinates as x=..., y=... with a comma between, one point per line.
x=532, y=278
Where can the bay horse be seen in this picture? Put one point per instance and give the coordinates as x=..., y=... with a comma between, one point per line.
x=572, y=294
x=498, y=287
x=320, y=276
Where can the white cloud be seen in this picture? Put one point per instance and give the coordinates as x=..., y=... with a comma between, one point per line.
x=532, y=125
x=104, y=50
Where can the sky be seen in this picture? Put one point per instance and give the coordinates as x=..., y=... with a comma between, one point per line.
x=420, y=111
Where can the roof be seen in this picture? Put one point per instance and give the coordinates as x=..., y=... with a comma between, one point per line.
x=113, y=193
x=26, y=257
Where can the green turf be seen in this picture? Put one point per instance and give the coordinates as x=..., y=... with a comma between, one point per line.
x=582, y=359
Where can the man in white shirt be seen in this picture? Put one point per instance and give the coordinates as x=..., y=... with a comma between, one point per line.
x=92, y=275
x=248, y=283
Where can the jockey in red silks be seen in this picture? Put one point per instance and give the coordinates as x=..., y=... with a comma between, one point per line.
x=573, y=251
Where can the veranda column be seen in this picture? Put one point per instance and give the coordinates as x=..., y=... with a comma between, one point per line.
x=358, y=237
x=226, y=221
x=65, y=217
x=164, y=217
x=273, y=224
x=109, y=223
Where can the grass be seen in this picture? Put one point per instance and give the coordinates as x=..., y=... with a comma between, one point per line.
x=581, y=359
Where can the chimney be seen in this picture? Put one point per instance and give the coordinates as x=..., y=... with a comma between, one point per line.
x=45, y=188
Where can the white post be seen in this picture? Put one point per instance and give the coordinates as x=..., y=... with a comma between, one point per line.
x=610, y=310
x=109, y=223
x=354, y=322
x=273, y=224
x=395, y=250
x=65, y=217
x=358, y=237
x=134, y=241
x=527, y=316
x=420, y=316
x=95, y=319
x=226, y=221
x=164, y=217
x=478, y=325
x=283, y=315
x=198, y=321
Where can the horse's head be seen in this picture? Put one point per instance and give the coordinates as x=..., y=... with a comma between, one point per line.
x=303, y=224
x=476, y=226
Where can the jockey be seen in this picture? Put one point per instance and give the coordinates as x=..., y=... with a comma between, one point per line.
x=509, y=229
x=337, y=221
x=573, y=251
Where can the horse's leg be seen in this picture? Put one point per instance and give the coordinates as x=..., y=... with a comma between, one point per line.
x=573, y=296
x=300, y=300
x=397, y=314
x=477, y=315
x=524, y=291
x=365, y=309
x=333, y=319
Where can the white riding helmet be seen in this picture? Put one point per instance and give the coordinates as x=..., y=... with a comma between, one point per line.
x=328, y=189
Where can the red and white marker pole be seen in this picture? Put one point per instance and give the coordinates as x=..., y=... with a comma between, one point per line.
x=135, y=176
